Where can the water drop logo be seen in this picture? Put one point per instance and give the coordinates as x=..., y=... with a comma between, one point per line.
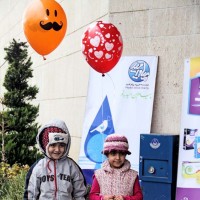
x=139, y=71
x=101, y=127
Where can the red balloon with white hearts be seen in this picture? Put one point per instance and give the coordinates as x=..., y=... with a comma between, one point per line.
x=102, y=46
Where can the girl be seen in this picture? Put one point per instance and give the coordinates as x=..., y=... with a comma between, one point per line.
x=116, y=180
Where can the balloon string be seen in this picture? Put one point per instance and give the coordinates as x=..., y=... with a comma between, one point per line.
x=111, y=80
x=102, y=115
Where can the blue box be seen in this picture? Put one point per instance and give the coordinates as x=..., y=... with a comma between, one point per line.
x=158, y=165
x=158, y=191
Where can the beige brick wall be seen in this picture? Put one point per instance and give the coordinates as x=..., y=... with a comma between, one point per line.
x=169, y=29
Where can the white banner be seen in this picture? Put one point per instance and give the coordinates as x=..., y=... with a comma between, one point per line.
x=120, y=102
x=188, y=180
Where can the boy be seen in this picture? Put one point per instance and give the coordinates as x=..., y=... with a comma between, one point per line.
x=56, y=176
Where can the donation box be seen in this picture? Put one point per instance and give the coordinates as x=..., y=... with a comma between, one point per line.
x=158, y=166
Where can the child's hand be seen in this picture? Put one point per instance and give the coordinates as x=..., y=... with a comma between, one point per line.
x=108, y=197
x=119, y=197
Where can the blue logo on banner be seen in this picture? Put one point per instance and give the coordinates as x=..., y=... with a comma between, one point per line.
x=100, y=128
x=139, y=71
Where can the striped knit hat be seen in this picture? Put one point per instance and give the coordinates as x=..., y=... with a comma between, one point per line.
x=45, y=135
x=116, y=142
x=53, y=132
x=51, y=135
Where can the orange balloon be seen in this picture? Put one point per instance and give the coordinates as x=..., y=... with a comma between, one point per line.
x=45, y=25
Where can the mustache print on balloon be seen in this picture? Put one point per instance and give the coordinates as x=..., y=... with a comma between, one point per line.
x=50, y=25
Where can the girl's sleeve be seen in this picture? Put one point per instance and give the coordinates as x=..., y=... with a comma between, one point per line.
x=137, y=192
x=95, y=190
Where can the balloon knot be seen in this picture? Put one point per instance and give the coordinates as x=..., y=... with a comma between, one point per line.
x=44, y=58
x=103, y=75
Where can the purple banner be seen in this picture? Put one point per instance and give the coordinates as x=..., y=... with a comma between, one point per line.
x=187, y=193
x=188, y=179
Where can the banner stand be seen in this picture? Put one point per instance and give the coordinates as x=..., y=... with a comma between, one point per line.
x=120, y=102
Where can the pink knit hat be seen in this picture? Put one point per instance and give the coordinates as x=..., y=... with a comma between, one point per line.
x=116, y=142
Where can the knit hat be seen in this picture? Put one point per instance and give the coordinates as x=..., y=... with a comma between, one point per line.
x=53, y=135
x=54, y=131
x=116, y=142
